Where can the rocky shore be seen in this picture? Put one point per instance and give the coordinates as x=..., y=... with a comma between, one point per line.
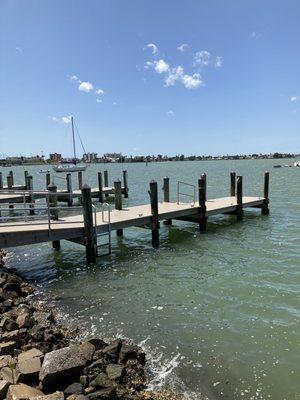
x=41, y=360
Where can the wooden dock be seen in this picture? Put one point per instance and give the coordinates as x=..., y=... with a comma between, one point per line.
x=85, y=227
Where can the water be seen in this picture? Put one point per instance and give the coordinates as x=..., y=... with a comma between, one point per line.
x=218, y=313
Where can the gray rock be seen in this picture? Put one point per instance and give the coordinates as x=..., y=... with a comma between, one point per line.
x=52, y=396
x=88, y=350
x=77, y=397
x=101, y=380
x=24, y=320
x=22, y=392
x=28, y=369
x=131, y=352
x=8, y=347
x=4, y=385
x=9, y=374
x=98, y=343
x=75, y=388
x=112, y=351
x=115, y=372
x=29, y=354
x=5, y=361
x=103, y=394
x=10, y=336
x=62, y=367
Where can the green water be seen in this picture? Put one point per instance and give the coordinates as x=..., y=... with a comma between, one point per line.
x=219, y=313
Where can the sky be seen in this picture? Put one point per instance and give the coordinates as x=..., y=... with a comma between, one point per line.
x=150, y=77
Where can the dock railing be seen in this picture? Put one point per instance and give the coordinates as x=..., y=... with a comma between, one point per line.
x=180, y=186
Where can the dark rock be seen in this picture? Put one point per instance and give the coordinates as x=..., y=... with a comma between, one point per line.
x=77, y=397
x=103, y=394
x=115, y=372
x=10, y=336
x=4, y=385
x=88, y=350
x=83, y=380
x=99, y=365
x=74, y=388
x=8, y=324
x=112, y=351
x=131, y=352
x=7, y=348
x=97, y=343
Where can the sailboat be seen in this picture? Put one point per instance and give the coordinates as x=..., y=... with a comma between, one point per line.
x=73, y=167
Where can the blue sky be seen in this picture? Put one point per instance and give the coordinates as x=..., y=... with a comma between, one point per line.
x=234, y=87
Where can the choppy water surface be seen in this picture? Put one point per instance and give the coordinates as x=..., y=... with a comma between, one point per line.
x=218, y=312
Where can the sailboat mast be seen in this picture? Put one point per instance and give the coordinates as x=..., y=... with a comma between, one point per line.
x=73, y=136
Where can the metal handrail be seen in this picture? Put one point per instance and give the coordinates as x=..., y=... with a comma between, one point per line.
x=193, y=196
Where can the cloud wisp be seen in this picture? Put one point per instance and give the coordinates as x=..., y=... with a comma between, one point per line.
x=87, y=87
x=65, y=119
x=294, y=99
x=152, y=47
x=182, y=47
x=219, y=62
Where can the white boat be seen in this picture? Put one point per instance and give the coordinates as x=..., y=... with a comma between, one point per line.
x=297, y=164
x=74, y=167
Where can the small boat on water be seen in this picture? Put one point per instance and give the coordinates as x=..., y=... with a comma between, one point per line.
x=277, y=166
x=297, y=164
x=73, y=167
x=44, y=171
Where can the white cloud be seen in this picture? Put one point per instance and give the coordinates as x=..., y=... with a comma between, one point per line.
x=55, y=119
x=74, y=78
x=174, y=75
x=294, y=98
x=170, y=113
x=148, y=64
x=86, y=87
x=219, y=62
x=182, y=47
x=153, y=47
x=191, y=81
x=99, y=100
x=161, y=66
x=202, y=58
x=66, y=120
x=99, y=91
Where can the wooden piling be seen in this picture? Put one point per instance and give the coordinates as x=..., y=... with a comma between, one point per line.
x=69, y=189
x=125, y=182
x=202, y=203
x=31, y=195
x=232, y=183
x=25, y=179
x=118, y=201
x=53, y=209
x=48, y=179
x=9, y=182
x=154, y=212
x=1, y=181
x=265, y=207
x=12, y=177
x=90, y=245
x=106, y=181
x=100, y=185
x=239, y=198
x=79, y=180
x=166, y=190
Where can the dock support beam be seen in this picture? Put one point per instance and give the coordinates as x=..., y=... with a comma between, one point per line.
x=118, y=201
x=69, y=189
x=106, y=181
x=166, y=190
x=154, y=212
x=90, y=250
x=239, y=198
x=100, y=185
x=9, y=182
x=79, y=180
x=25, y=179
x=1, y=181
x=232, y=183
x=125, y=182
x=53, y=210
x=11, y=174
x=31, y=195
x=265, y=207
x=202, y=203
x=48, y=179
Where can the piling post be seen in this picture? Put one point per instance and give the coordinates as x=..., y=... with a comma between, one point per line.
x=1, y=181
x=100, y=185
x=69, y=189
x=90, y=250
x=48, y=179
x=53, y=209
x=239, y=198
x=265, y=207
x=106, y=181
x=118, y=201
x=12, y=177
x=154, y=212
x=31, y=195
x=9, y=182
x=25, y=179
x=202, y=203
x=232, y=183
x=166, y=190
x=79, y=180
x=125, y=181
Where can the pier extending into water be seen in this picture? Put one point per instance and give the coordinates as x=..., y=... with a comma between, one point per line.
x=89, y=223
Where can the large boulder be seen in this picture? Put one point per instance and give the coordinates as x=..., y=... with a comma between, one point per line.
x=52, y=396
x=62, y=367
x=22, y=392
x=29, y=365
x=4, y=385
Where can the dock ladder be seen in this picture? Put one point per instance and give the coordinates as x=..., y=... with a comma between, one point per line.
x=105, y=208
